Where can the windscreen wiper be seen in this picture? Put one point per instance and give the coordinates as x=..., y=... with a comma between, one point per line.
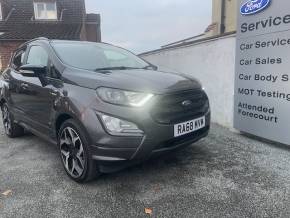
x=116, y=68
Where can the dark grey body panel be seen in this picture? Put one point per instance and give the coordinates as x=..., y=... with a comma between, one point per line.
x=39, y=107
x=155, y=82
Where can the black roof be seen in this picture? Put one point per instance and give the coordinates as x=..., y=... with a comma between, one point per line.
x=19, y=23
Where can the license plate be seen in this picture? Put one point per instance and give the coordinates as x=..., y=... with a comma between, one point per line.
x=189, y=126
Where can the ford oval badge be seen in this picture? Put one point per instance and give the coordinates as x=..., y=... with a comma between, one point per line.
x=186, y=103
x=254, y=6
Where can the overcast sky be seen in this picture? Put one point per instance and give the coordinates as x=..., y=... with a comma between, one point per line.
x=143, y=25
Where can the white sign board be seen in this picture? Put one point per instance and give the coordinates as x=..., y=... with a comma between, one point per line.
x=262, y=77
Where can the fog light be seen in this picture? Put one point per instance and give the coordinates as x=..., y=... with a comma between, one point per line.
x=117, y=126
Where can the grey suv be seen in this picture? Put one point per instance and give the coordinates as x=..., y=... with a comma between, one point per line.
x=103, y=106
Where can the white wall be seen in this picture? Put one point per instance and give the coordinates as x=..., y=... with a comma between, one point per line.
x=212, y=62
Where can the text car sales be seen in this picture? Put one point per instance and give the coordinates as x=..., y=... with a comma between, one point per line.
x=260, y=61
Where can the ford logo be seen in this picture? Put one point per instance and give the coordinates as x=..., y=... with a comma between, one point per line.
x=186, y=103
x=254, y=6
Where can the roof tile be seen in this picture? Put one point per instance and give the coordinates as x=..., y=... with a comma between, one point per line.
x=21, y=25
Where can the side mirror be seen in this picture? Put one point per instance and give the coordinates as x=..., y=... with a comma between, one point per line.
x=151, y=67
x=32, y=70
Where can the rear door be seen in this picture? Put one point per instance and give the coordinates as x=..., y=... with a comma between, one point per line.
x=16, y=99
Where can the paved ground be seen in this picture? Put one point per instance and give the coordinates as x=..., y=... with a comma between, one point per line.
x=224, y=175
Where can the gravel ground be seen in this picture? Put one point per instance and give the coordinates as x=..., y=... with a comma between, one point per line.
x=224, y=175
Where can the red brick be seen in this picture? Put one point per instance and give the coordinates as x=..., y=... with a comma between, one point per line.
x=6, y=50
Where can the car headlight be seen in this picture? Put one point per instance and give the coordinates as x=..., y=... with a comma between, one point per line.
x=121, y=97
x=116, y=126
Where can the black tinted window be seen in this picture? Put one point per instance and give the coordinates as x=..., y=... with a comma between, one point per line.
x=37, y=56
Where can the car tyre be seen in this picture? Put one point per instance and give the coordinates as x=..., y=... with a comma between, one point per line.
x=75, y=152
x=12, y=129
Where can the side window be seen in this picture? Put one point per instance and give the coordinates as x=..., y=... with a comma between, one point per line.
x=37, y=56
x=18, y=59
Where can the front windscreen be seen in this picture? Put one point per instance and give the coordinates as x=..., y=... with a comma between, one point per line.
x=94, y=56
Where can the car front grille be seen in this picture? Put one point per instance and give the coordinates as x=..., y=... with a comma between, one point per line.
x=169, y=109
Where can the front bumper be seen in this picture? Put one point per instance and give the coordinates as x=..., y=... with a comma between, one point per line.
x=112, y=164
x=158, y=139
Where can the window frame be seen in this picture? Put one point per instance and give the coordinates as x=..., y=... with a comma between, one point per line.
x=36, y=15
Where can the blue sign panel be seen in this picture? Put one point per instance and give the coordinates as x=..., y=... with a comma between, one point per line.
x=254, y=6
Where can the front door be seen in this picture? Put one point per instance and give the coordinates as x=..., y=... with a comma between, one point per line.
x=40, y=95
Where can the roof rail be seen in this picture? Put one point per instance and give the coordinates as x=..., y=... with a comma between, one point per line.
x=32, y=40
x=39, y=38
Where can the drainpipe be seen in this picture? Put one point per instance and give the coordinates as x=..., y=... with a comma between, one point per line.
x=223, y=17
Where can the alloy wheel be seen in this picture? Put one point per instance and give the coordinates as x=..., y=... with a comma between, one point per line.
x=72, y=152
x=6, y=119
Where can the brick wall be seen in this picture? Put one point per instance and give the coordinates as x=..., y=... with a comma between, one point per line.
x=6, y=49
